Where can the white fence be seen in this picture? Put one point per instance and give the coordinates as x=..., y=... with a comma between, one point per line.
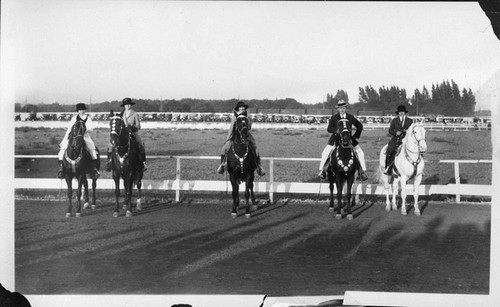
x=271, y=187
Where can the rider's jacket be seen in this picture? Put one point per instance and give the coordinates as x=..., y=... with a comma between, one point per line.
x=353, y=121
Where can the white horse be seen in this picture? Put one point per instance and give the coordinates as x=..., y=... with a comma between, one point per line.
x=408, y=164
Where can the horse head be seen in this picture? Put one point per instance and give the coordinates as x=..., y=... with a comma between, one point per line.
x=76, y=134
x=241, y=128
x=118, y=135
x=416, y=136
x=344, y=132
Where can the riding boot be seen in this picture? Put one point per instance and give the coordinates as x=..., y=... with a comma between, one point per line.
x=260, y=171
x=388, y=165
x=222, y=165
x=324, y=170
x=108, y=163
x=60, y=174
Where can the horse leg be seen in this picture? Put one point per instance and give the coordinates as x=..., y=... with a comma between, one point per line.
x=128, y=196
x=248, y=186
x=252, y=194
x=348, y=196
x=395, y=189
x=79, y=196
x=69, y=183
x=85, y=192
x=416, y=185
x=139, y=185
x=338, y=215
x=331, y=208
x=236, y=197
x=94, y=186
x=403, y=196
x=117, y=195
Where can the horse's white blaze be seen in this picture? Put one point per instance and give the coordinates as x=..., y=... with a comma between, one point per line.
x=413, y=145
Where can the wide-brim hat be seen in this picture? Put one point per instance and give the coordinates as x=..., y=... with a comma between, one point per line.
x=81, y=106
x=341, y=103
x=127, y=101
x=401, y=108
x=240, y=104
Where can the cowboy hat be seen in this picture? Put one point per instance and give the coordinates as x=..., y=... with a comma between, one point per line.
x=81, y=106
x=401, y=108
x=127, y=101
x=240, y=104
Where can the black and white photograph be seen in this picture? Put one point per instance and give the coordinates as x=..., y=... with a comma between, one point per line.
x=249, y=153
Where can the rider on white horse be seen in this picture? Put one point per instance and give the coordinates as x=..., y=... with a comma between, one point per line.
x=81, y=108
x=333, y=141
x=397, y=129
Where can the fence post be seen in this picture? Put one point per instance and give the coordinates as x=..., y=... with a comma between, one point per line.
x=457, y=180
x=178, y=179
x=271, y=180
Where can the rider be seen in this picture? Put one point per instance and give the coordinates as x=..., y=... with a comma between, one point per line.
x=81, y=108
x=397, y=129
x=333, y=141
x=132, y=121
x=240, y=109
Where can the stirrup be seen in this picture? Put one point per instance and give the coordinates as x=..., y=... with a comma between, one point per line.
x=144, y=167
x=220, y=169
x=322, y=175
x=60, y=174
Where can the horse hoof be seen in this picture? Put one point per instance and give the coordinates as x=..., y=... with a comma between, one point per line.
x=68, y=214
x=338, y=216
x=139, y=205
x=78, y=215
x=388, y=209
x=115, y=214
x=128, y=214
x=93, y=207
x=247, y=215
x=350, y=217
x=330, y=209
x=403, y=212
x=234, y=215
x=417, y=212
x=124, y=207
x=85, y=205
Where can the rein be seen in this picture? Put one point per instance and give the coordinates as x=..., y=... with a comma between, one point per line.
x=407, y=151
x=121, y=159
x=244, y=142
x=74, y=162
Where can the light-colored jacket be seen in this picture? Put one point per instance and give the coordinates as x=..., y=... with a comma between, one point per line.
x=89, y=125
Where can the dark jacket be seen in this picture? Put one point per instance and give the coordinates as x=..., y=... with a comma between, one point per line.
x=353, y=121
x=396, y=126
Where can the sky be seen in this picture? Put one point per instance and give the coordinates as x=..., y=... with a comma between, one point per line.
x=94, y=51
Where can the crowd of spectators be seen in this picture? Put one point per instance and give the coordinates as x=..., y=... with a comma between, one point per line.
x=259, y=117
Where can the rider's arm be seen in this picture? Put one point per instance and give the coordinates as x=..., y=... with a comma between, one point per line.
x=89, y=124
x=332, y=126
x=359, y=127
x=136, y=123
x=392, y=127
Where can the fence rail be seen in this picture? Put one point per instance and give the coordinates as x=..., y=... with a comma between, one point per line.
x=271, y=187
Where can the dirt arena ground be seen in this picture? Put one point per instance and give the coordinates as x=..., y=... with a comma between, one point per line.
x=289, y=248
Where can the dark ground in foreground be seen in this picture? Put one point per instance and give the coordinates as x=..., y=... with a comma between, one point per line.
x=292, y=247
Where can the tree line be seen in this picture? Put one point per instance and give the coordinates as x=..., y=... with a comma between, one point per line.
x=444, y=98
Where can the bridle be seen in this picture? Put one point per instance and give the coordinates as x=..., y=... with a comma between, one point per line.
x=78, y=131
x=243, y=140
x=116, y=129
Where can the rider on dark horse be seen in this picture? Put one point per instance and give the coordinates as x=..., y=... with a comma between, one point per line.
x=81, y=108
x=240, y=109
x=397, y=130
x=334, y=140
x=132, y=121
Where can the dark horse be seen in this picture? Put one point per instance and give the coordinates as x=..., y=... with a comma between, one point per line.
x=241, y=164
x=343, y=165
x=125, y=163
x=77, y=163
